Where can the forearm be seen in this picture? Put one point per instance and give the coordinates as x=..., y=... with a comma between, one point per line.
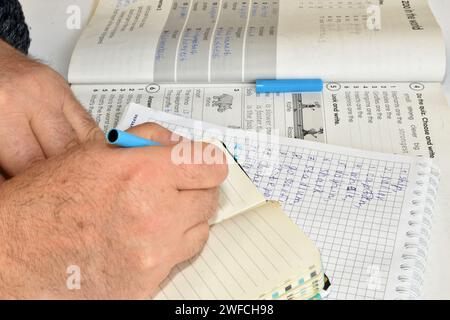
x=8, y=270
x=15, y=282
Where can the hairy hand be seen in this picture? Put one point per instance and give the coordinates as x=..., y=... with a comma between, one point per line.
x=40, y=117
x=124, y=217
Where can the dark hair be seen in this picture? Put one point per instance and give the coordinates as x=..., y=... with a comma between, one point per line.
x=13, y=28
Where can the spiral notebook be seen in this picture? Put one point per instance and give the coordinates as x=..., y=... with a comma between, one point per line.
x=369, y=213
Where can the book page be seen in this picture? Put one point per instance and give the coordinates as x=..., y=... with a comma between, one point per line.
x=362, y=209
x=360, y=40
x=231, y=105
x=245, y=257
x=144, y=41
x=402, y=118
x=393, y=117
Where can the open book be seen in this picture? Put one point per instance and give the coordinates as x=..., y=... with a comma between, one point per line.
x=254, y=252
x=133, y=51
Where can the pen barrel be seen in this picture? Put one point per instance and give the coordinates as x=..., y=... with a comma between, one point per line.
x=127, y=140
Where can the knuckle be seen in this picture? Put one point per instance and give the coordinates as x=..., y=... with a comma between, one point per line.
x=93, y=133
x=137, y=171
x=190, y=172
x=149, y=260
x=212, y=203
x=152, y=126
x=207, y=212
x=151, y=130
x=73, y=143
x=147, y=127
x=202, y=235
x=34, y=160
x=216, y=173
x=222, y=171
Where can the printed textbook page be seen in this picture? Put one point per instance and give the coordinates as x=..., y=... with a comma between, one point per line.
x=401, y=118
x=230, y=105
x=142, y=41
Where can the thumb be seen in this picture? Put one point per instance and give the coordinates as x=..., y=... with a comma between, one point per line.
x=157, y=133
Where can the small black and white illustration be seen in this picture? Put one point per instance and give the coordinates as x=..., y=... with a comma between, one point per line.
x=223, y=102
x=312, y=107
x=313, y=132
x=308, y=119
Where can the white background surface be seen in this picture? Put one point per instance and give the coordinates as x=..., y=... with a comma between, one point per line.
x=53, y=43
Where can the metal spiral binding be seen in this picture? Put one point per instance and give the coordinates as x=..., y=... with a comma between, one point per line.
x=413, y=264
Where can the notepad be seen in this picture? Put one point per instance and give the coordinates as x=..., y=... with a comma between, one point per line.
x=369, y=213
x=258, y=254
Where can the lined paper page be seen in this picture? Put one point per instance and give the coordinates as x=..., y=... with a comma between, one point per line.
x=246, y=256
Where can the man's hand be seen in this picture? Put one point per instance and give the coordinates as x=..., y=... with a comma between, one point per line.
x=125, y=217
x=39, y=116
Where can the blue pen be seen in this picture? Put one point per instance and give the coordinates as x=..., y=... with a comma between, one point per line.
x=289, y=85
x=127, y=140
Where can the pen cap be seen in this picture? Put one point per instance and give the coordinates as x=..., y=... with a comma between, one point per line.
x=289, y=85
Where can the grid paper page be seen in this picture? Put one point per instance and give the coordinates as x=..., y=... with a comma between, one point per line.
x=353, y=204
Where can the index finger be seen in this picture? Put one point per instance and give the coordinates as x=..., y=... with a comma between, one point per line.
x=187, y=165
x=198, y=165
x=155, y=132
